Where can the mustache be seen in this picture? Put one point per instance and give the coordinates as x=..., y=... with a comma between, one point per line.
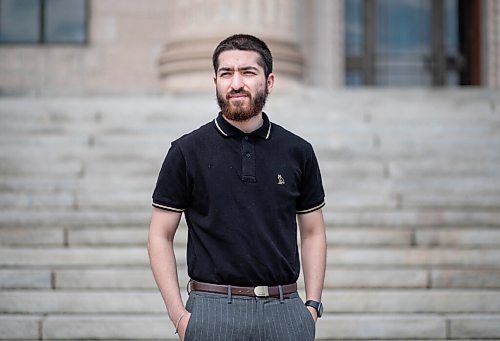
x=238, y=92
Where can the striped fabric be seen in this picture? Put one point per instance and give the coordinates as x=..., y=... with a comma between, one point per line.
x=215, y=317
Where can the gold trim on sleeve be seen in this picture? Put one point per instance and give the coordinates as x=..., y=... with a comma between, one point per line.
x=168, y=208
x=312, y=209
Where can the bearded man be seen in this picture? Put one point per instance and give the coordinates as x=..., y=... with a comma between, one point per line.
x=242, y=183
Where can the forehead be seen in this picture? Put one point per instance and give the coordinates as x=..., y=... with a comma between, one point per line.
x=238, y=58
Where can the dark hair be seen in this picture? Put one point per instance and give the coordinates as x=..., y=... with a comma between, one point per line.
x=245, y=42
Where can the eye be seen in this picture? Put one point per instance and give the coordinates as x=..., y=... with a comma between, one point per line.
x=224, y=74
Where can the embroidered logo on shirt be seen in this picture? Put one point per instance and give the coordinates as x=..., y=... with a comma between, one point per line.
x=281, y=181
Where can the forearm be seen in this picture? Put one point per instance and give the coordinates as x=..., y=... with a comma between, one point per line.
x=163, y=262
x=313, y=249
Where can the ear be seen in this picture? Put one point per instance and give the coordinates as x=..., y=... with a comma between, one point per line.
x=215, y=80
x=270, y=82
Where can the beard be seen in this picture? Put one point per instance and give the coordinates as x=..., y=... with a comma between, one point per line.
x=240, y=111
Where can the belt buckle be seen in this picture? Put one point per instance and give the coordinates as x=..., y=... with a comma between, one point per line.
x=261, y=291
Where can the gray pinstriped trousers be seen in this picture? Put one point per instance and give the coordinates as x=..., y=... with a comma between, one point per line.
x=213, y=318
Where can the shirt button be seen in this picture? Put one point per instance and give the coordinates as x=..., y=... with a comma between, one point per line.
x=246, y=138
x=248, y=154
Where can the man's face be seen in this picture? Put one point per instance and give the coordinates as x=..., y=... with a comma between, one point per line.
x=241, y=85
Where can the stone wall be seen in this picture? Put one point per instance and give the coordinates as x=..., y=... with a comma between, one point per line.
x=125, y=39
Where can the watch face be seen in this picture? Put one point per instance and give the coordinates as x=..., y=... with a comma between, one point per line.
x=320, y=309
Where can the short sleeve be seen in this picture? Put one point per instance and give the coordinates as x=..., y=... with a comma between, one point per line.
x=172, y=187
x=312, y=195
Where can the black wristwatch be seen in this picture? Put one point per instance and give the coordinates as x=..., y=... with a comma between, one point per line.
x=316, y=305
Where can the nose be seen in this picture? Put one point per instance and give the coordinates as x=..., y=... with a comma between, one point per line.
x=236, y=81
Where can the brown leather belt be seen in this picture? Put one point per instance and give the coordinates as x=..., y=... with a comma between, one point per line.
x=260, y=291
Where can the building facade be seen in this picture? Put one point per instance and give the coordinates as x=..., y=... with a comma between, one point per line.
x=150, y=47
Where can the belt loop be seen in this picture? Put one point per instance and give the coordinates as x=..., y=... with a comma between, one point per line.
x=280, y=288
x=229, y=295
x=188, y=286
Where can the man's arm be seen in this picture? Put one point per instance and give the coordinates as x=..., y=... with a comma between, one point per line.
x=163, y=263
x=313, y=248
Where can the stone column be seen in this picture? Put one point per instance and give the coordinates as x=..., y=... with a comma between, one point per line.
x=491, y=72
x=323, y=39
x=196, y=26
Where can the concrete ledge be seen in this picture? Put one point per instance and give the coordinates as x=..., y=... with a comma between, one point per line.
x=81, y=302
x=19, y=327
x=36, y=201
x=25, y=279
x=464, y=278
x=348, y=327
x=411, y=218
x=99, y=236
x=411, y=301
x=369, y=236
x=145, y=327
x=106, y=279
x=376, y=278
x=414, y=257
x=458, y=237
x=31, y=237
x=126, y=327
x=74, y=256
x=481, y=326
x=74, y=218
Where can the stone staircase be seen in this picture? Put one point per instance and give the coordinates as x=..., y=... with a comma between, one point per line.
x=413, y=211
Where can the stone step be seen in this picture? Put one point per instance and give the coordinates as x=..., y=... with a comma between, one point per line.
x=74, y=195
x=99, y=180
x=447, y=131
x=140, y=277
x=337, y=256
x=20, y=327
x=411, y=217
x=367, y=217
x=407, y=326
x=336, y=277
x=342, y=301
x=330, y=327
x=92, y=184
x=75, y=218
x=145, y=158
x=378, y=111
x=336, y=236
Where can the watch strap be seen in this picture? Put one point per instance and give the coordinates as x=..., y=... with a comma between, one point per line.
x=316, y=305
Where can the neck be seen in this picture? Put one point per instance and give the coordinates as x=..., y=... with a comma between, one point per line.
x=249, y=125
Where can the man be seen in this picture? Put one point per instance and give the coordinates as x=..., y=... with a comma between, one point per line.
x=242, y=183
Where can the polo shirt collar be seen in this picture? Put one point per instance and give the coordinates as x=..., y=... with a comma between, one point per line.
x=227, y=129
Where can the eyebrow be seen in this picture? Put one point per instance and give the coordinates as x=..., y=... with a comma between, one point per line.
x=243, y=68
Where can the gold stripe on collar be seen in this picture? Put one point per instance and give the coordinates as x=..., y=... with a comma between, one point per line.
x=268, y=131
x=218, y=127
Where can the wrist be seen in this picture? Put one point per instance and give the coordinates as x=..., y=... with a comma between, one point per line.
x=316, y=306
x=174, y=317
x=179, y=321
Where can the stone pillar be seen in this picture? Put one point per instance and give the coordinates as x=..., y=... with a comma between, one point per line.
x=196, y=26
x=323, y=40
x=491, y=72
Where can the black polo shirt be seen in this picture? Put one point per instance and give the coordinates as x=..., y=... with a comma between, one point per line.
x=240, y=194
